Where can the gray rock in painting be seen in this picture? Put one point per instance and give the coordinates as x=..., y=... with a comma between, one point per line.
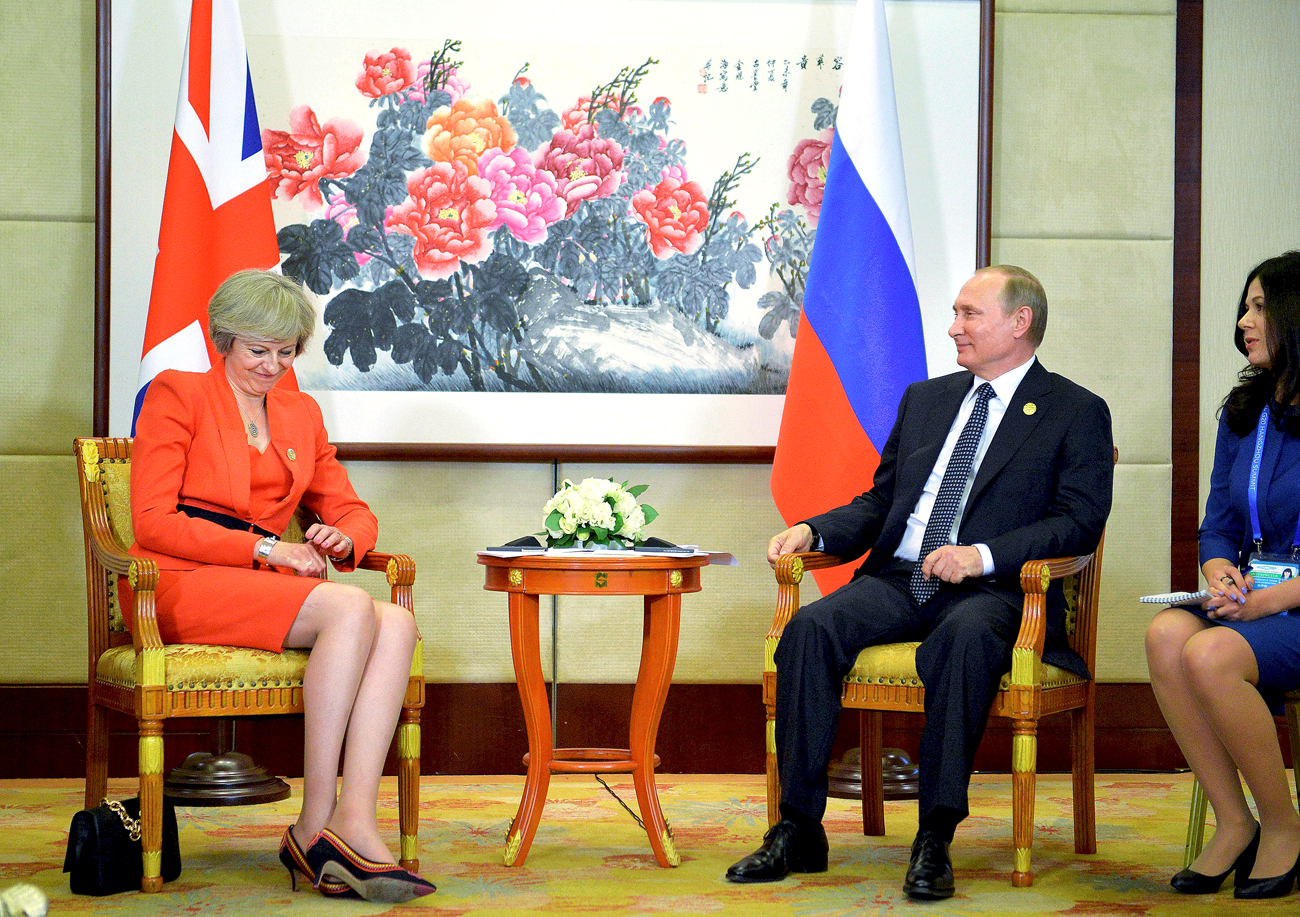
x=592, y=347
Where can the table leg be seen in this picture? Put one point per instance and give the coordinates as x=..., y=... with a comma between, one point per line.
x=525, y=646
x=658, y=656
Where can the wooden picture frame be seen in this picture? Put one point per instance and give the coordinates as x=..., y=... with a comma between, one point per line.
x=628, y=425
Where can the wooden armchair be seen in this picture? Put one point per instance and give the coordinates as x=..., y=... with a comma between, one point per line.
x=136, y=673
x=884, y=678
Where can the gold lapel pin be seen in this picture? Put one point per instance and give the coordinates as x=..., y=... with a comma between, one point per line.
x=293, y=456
x=1030, y=408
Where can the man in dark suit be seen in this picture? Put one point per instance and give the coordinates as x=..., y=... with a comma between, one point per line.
x=983, y=470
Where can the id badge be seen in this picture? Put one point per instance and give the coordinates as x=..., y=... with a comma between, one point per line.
x=1271, y=569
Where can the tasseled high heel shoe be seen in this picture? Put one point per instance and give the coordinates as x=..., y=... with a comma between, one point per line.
x=1273, y=887
x=1189, y=882
x=333, y=860
x=295, y=861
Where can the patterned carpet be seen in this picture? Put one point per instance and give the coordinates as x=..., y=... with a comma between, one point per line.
x=590, y=857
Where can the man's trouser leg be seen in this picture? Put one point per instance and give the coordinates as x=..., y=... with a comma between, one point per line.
x=960, y=663
x=817, y=649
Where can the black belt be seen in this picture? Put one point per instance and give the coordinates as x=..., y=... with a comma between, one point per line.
x=225, y=521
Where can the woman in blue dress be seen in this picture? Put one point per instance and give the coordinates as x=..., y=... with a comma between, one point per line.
x=1220, y=670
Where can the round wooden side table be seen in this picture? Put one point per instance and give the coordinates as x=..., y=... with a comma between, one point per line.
x=662, y=579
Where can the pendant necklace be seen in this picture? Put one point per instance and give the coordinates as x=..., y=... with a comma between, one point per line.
x=252, y=427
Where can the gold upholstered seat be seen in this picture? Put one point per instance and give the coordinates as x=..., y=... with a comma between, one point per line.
x=136, y=673
x=884, y=678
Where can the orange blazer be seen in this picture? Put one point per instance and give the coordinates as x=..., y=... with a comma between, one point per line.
x=191, y=447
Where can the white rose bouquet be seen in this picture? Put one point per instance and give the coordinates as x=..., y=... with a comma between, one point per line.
x=596, y=511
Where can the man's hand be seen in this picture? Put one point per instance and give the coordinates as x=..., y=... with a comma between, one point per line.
x=791, y=541
x=952, y=563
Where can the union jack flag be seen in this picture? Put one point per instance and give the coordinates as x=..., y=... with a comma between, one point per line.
x=217, y=208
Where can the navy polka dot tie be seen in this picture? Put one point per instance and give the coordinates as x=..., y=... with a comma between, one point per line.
x=938, y=530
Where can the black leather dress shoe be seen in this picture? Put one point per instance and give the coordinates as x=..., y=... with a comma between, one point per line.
x=929, y=874
x=785, y=849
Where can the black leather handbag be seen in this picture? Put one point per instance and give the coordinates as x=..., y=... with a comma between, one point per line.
x=104, y=848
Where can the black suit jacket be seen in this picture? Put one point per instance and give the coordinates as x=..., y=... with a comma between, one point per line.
x=1042, y=490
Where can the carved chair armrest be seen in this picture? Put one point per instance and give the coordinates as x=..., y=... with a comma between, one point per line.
x=789, y=570
x=142, y=574
x=1035, y=578
x=398, y=569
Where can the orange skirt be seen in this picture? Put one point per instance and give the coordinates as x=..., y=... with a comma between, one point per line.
x=229, y=606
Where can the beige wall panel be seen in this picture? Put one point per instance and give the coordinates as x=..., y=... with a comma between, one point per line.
x=42, y=572
x=48, y=87
x=441, y=514
x=1083, y=126
x=1250, y=178
x=719, y=507
x=1108, y=303
x=46, y=334
x=1135, y=563
x=1166, y=7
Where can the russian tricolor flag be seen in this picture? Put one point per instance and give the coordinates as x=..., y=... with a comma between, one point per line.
x=217, y=208
x=860, y=341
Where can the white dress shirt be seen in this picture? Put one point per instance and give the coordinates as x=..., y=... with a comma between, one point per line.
x=1004, y=388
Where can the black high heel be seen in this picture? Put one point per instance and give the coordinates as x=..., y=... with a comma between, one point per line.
x=295, y=861
x=332, y=859
x=1273, y=887
x=1190, y=882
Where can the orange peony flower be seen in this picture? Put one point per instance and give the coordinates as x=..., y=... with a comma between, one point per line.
x=463, y=132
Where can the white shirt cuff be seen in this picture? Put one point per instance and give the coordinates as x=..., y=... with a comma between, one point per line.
x=987, y=556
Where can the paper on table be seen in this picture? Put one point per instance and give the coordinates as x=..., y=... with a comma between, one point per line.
x=716, y=558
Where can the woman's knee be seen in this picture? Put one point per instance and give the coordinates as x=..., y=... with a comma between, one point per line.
x=396, y=624
x=1167, y=634
x=1216, y=656
x=353, y=608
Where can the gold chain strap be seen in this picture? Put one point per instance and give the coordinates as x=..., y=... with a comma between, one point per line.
x=132, y=825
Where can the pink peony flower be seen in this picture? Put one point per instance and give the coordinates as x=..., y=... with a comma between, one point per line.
x=298, y=159
x=385, y=73
x=677, y=172
x=340, y=211
x=584, y=165
x=675, y=212
x=580, y=113
x=807, y=170
x=449, y=212
x=526, y=197
x=455, y=86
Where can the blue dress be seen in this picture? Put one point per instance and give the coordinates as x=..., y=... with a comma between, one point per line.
x=1227, y=532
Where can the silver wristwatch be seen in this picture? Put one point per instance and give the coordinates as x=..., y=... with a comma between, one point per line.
x=265, y=547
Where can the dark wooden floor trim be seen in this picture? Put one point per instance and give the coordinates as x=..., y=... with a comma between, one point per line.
x=479, y=729
x=1184, y=571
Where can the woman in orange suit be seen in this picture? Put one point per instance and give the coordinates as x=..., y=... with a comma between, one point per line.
x=220, y=462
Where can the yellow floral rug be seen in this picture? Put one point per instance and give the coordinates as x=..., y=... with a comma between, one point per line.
x=589, y=856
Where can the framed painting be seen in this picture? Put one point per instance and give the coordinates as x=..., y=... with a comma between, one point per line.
x=640, y=192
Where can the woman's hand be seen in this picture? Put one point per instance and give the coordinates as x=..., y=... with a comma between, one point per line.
x=1258, y=603
x=1233, y=596
x=1225, y=583
x=301, y=558
x=329, y=540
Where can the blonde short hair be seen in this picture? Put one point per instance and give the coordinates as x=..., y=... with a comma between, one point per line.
x=262, y=306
